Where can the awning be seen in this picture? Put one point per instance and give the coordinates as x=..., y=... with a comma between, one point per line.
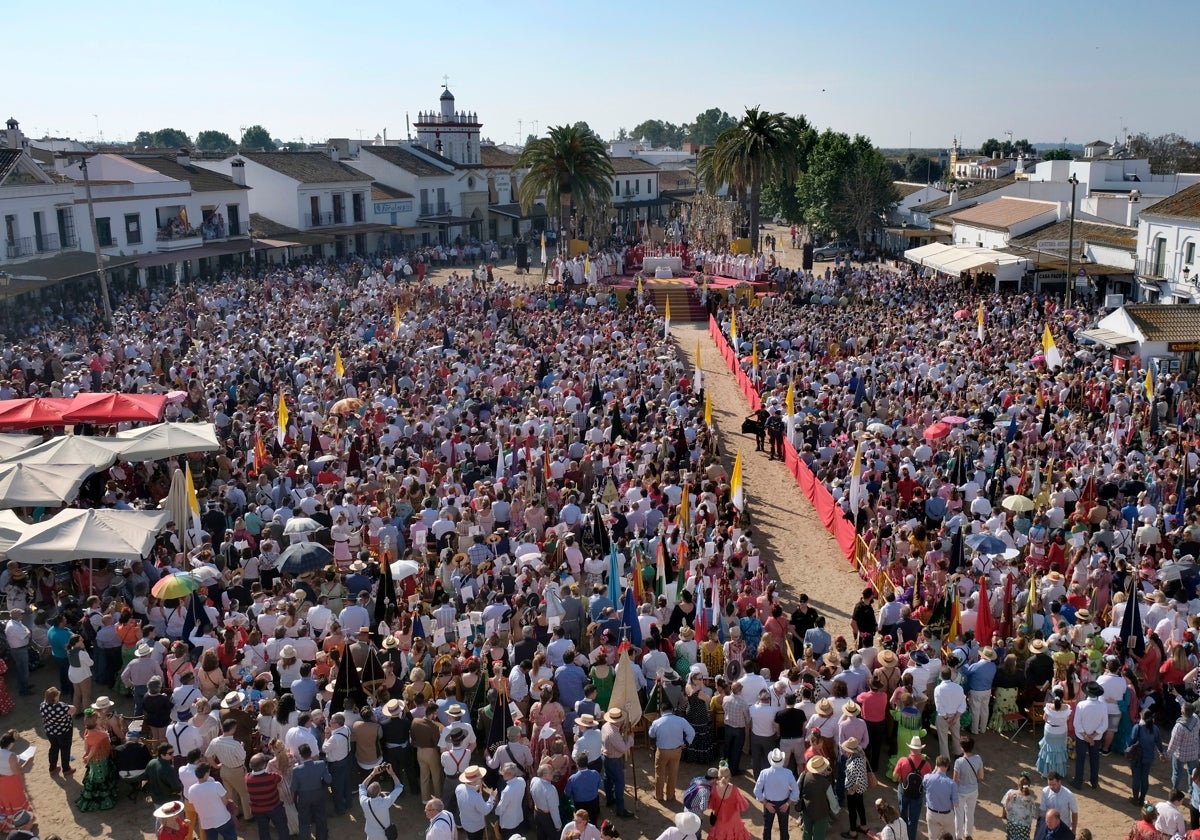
x=345, y=230
x=956, y=259
x=37, y=274
x=447, y=220
x=913, y=232
x=1109, y=338
x=214, y=249
x=918, y=255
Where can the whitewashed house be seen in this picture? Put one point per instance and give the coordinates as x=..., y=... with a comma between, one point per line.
x=1168, y=235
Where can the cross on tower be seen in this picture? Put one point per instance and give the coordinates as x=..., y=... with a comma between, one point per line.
x=445, y=81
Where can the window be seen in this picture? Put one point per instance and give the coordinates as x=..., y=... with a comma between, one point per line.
x=133, y=228
x=649, y=189
x=637, y=185
x=1189, y=253
x=617, y=188
x=104, y=236
x=627, y=191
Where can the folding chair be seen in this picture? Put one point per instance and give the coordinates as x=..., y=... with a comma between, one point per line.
x=1020, y=719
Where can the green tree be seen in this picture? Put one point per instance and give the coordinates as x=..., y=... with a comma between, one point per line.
x=144, y=139
x=659, y=133
x=215, y=141
x=569, y=166
x=622, y=134
x=707, y=126
x=257, y=139
x=164, y=138
x=295, y=146
x=848, y=183
x=760, y=149
x=921, y=170
x=1058, y=154
x=530, y=138
x=1167, y=153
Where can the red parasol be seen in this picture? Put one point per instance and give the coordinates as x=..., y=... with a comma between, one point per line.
x=937, y=431
x=985, y=625
x=110, y=408
x=32, y=412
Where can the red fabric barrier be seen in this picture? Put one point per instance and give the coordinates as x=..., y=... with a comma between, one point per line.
x=829, y=511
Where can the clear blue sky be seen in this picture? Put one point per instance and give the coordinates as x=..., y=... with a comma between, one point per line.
x=892, y=71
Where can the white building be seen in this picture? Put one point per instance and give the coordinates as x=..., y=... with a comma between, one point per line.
x=993, y=223
x=1168, y=233
x=448, y=132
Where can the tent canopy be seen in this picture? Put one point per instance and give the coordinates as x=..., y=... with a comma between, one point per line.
x=956, y=259
x=11, y=529
x=98, y=453
x=918, y=255
x=41, y=485
x=32, y=412
x=75, y=534
x=11, y=444
x=115, y=407
x=163, y=440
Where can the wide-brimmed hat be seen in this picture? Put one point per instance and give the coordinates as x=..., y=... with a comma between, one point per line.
x=102, y=702
x=169, y=810
x=888, y=658
x=824, y=707
x=988, y=653
x=143, y=650
x=390, y=642
x=817, y=764
x=455, y=711
x=777, y=757
x=1037, y=646
x=363, y=631
x=472, y=774
x=392, y=708
x=586, y=721
x=915, y=743
x=233, y=699
x=687, y=822
x=614, y=716
x=850, y=745
x=687, y=633
x=287, y=652
x=851, y=709
x=1093, y=689
x=1083, y=615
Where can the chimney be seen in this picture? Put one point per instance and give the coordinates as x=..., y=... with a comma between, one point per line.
x=385, y=137
x=13, y=137
x=183, y=157
x=952, y=199
x=1131, y=210
x=333, y=153
x=237, y=171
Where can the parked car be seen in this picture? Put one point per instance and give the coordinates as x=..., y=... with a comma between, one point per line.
x=832, y=250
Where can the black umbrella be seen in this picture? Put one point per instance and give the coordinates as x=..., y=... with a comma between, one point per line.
x=1132, y=487
x=299, y=558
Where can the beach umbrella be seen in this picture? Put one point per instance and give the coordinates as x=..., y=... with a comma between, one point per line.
x=1131, y=622
x=41, y=485
x=79, y=534
x=954, y=419
x=11, y=529
x=404, y=569
x=985, y=624
x=301, y=525
x=881, y=429
x=110, y=408
x=12, y=444
x=1018, y=504
x=937, y=431
x=305, y=557
x=177, y=585
x=98, y=453
x=349, y=405
x=162, y=440
x=985, y=544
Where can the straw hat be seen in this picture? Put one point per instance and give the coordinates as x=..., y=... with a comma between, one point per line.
x=850, y=745
x=777, y=757
x=586, y=721
x=831, y=659
x=392, y=709
x=988, y=653
x=825, y=707
x=102, y=702
x=888, y=659
x=169, y=810
x=851, y=709
x=455, y=711
x=143, y=650
x=1083, y=615
x=686, y=633
x=915, y=743
x=614, y=716
x=1037, y=646
x=817, y=764
x=233, y=699
x=472, y=774
x=390, y=643
x=287, y=652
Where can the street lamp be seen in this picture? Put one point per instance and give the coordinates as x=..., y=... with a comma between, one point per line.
x=1074, y=182
x=87, y=186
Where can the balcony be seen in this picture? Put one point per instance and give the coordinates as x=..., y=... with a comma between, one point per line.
x=435, y=208
x=177, y=238
x=312, y=220
x=31, y=246
x=1155, y=269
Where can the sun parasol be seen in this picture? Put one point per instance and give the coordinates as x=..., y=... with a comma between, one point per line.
x=404, y=569
x=11, y=529
x=162, y=440
x=41, y=485
x=937, y=431
x=301, y=525
x=98, y=453
x=986, y=544
x=349, y=405
x=881, y=429
x=954, y=419
x=1017, y=504
x=76, y=534
x=962, y=313
x=178, y=585
x=305, y=557
x=11, y=444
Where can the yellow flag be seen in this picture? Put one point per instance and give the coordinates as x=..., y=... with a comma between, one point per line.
x=192, y=501
x=639, y=284
x=737, y=493
x=338, y=367
x=708, y=408
x=587, y=267
x=396, y=315
x=733, y=329
x=668, y=308
x=1049, y=351
x=980, y=319
x=1148, y=383
x=698, y=355
x=790, y=400
x=754, y=357
x=685, y=513
x=281, y=422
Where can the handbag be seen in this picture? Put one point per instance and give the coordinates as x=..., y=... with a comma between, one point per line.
x=389, y=831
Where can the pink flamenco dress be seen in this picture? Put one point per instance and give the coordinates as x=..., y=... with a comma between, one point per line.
x=728, y=810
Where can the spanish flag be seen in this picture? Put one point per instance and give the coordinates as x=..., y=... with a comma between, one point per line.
x=737, y=493
x=685, y=513
x=754, y=360
x=260, y=452
x=338, y=367
x=183, y=217
x=281, y=420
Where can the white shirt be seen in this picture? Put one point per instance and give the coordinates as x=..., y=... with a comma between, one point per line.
x=509, y=810
x=949, y=699
x=1091, y=718
x=442, y=827
x=208, y=798
x=1170, y=822
x=298, y=735
x=337, y=745
x=762, y=719
x=184, y=738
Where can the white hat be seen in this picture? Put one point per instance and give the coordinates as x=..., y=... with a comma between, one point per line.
x=169, y=809
x=233, y=699
x=143, y=650
x=687, y=822
x=777, y=757
x=102, y=702
x=287, y=652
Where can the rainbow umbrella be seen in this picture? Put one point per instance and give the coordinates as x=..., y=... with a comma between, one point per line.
x=177, y=585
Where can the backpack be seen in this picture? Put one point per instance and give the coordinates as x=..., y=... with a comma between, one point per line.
x=914, y=783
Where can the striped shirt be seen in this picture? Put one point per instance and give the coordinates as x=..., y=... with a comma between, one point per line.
x=737, y=713
x=264, y=792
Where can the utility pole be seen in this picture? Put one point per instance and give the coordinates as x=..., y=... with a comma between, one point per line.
x=1074, y=182
x=87, y=186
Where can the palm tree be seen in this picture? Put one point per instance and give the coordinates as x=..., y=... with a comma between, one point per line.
x=763, y=147
x=570, y=164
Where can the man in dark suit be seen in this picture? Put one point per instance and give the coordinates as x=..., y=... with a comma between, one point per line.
x=309, y=782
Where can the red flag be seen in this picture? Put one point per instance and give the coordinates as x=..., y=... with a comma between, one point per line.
x=260, y=451
x=1006, y=621
x=985, y=625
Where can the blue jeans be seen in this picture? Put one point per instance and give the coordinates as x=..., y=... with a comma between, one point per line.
x=20, y=657
x=1141, y=778
x=1181, y=773
x=614, y=783
x=277, y=818
x=139, y=694
x=65, y=686
x=224, y=832
x=910, y=811
x=342, y=785
x=1091, y=752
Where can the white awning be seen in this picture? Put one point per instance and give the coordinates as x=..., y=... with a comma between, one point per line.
x=918, y=255
x=956, y=259
x=1108, y=338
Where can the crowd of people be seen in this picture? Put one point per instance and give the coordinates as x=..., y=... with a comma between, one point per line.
x=511, y=450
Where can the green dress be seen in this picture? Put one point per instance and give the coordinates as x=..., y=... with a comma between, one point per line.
x=908, y=726
x=604, y=686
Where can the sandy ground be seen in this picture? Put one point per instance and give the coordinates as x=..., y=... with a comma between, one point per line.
x=804, y=558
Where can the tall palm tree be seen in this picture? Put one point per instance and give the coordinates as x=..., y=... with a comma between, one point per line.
x=569, y=165
x=762, y=147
